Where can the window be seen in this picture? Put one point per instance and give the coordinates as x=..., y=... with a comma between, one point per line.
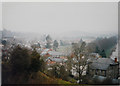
x=96, y=72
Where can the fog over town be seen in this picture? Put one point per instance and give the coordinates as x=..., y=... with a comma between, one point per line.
x=59, y=43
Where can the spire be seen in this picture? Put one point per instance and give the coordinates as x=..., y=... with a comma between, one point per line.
x=81, y=40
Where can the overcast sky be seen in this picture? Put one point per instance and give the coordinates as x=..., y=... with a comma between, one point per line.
x=0, y=15
x=56, y=17
x=0, y=28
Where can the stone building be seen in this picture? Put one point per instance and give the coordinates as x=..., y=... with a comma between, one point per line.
x=104, y=67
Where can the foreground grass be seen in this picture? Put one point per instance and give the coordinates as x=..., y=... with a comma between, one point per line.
x=41, y=78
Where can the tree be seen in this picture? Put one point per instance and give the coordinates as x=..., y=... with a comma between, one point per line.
x=55, y=71
x=39, y=45
x=80, y=41
x=48, y=45
x=97, y=50
x=37, y=64
x=4, y=42
x=61, y=43
x=19, y=59
x=23, y=64
x=105, y=43
x=91, y=47
x=63, y=73
x=36, y=45
x=82, y=62
x=60, y=72
x=42, y=65
x=49, y=40
x=103, y=54
x=55, y=45
x=69, y=65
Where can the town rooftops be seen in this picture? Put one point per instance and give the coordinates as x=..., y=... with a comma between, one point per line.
x=54, y=53
x=102, y=63
x=45, y=51
x=56, y=59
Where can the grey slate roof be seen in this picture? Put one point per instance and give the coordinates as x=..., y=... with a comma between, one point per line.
x=58, y=60
x=105, y=61
x=54, y=53
x=100, y=66
x=102, y=63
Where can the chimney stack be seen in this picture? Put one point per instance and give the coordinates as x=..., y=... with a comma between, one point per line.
x=115, y=59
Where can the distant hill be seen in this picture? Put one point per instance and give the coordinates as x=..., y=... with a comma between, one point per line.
x=85, y=35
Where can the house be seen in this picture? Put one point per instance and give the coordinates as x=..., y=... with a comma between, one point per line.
x=53, y=60
x=94, y=55
x=45, y=52
x=51, y=53
x=56, y=54
x=103, y=67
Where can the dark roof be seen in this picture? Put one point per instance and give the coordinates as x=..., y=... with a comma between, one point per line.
x=100, y=66
x=102, y=63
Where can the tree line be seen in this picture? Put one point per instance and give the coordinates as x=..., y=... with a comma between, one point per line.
x=23, y=64
x=101, y=45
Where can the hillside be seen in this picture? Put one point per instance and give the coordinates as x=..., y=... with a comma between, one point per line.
x=41, y=78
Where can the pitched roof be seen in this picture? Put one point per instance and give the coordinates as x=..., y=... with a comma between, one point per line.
x=54, y=53
x=99, y=66
x=102, y=63
x=44, y=51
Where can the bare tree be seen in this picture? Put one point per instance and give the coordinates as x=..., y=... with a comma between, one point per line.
x=80, y=54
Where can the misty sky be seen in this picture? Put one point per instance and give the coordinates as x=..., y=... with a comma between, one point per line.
x=0, y=28
x=0, y=15
x=56, y=17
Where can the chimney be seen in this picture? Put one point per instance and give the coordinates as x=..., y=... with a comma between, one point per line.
x=115, y=59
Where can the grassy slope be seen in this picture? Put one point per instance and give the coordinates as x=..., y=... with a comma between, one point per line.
x=41, y=78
